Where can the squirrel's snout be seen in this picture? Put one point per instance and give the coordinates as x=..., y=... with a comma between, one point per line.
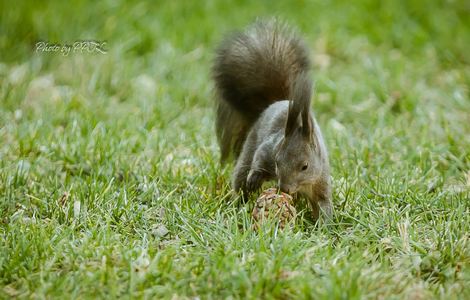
x=288, y=188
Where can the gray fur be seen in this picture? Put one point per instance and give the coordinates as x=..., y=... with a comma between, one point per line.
x=270, y=137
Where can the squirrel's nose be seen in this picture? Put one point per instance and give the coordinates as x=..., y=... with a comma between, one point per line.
x=287, y=188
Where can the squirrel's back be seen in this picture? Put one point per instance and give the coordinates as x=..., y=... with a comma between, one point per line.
x=252, y=70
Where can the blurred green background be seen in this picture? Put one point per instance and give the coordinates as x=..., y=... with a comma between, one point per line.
x=140, y=28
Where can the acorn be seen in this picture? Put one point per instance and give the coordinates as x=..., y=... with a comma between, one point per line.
x=271, y=204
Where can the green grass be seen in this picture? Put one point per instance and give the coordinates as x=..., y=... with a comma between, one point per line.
x=109, y=178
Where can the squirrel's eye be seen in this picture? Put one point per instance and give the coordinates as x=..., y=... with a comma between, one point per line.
x=304, y=167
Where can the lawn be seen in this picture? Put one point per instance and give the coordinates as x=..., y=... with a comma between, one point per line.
x=110, y=182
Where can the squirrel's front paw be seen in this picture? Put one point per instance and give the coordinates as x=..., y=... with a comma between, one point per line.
x=254, y=181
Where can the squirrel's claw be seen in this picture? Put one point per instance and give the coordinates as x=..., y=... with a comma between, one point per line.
x=254, y=181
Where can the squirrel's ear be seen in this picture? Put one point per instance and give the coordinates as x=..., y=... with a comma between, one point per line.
x=308, y=130
x=307, y=123
x=292, y=119
x=300, y=93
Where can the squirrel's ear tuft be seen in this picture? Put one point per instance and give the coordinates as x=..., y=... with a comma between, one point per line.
x=300, y=94
x=307, y=124
x=292, y=119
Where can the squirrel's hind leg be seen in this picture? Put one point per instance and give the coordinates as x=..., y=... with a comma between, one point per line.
x=241, y=171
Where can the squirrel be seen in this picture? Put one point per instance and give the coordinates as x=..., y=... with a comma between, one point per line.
x=263, y=115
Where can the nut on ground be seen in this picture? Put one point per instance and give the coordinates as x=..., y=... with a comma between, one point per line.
x=273, y=205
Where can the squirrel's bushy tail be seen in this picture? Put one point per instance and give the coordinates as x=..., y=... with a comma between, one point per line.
x=252, y=70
